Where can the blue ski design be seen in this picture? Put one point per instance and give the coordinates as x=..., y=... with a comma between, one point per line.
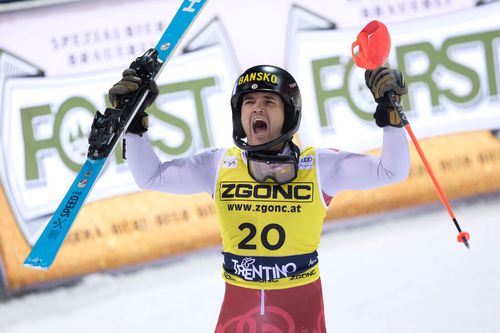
x=45, y=250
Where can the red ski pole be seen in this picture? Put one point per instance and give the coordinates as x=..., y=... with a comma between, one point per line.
x=372, y=46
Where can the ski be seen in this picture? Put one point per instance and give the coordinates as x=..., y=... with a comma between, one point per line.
x=110, y=128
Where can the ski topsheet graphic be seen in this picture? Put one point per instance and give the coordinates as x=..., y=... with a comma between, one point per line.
x=111, y=127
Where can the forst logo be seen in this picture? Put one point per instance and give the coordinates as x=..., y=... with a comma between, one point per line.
x=66, y=128
x=266, y=191
x=469, y=85
x=70, y=129
x=46, y=136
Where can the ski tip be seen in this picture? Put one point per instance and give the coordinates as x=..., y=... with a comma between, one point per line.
x=36, y=264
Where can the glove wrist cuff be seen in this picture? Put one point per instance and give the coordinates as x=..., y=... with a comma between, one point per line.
x=139, y=124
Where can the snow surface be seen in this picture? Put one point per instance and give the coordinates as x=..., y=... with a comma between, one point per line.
x=402, y=274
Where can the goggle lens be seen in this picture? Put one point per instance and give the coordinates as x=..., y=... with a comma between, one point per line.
x=281, y=171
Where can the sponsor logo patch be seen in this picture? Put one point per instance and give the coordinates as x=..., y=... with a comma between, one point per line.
x=306, y=162
x=252, y=191
x=230, y=162
x=247, y=270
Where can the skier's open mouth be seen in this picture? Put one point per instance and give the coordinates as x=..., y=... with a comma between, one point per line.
x=259, y=126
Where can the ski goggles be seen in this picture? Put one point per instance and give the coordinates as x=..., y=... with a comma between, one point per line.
x=280, y=169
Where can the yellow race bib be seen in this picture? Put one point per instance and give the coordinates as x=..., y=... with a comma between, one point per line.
x=270, y=232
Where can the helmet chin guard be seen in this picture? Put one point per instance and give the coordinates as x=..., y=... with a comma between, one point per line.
x=267, y=78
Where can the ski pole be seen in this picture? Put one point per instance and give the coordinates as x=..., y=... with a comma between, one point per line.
x=373, y=44
x=463, y=237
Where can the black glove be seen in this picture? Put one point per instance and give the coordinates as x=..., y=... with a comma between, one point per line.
x=129, y=83
x=380, y=81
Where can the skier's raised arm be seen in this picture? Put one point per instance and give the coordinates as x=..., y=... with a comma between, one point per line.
x=180, y=176
x=341, y=170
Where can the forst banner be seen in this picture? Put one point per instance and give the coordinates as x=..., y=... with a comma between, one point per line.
x=449, y=54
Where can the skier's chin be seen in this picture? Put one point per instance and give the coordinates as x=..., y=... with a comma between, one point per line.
x=260, y=139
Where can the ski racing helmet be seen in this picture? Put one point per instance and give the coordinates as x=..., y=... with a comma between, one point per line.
x=267, y=78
